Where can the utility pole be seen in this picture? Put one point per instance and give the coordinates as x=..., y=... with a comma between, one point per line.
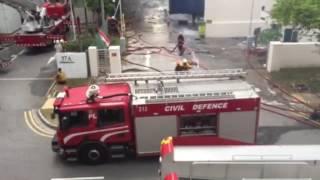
x=121, y=19
x=122, y=26
x=104, y=25
x=72, y=22
x=250, y=24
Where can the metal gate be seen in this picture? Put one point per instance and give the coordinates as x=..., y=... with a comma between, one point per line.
x=103, y=62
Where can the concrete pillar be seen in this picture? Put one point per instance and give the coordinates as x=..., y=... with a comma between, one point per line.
x=123, y=44
x=115, y=59
x=93, y=60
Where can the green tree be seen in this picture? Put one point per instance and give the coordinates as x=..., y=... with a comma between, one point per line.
x=271, y=34
x=95, y=7
x=301, y=14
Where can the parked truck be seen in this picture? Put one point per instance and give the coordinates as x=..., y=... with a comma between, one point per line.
x=193, y=7
x=228, y=160
x=133, y=112
x=41, y=26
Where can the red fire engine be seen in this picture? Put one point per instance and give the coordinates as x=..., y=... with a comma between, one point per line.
x=131, y=113
x=226, y=159
x=42, y=26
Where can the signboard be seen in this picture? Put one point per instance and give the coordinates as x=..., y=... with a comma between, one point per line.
x=73, y=64
x=196, y=107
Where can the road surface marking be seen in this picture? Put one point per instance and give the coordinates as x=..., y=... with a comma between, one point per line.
x=15, y=56
x=25, y=79
x=53, y=58
x=21, y=52
x=39, y=128
x=80, y=178
x=32, y=127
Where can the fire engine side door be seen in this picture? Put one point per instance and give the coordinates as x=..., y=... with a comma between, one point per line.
x=113, y=123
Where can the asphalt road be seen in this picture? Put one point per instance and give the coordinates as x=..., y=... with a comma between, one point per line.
x=26, y=155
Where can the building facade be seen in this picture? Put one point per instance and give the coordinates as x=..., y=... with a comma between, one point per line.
x=10, y=19
x=235, y=18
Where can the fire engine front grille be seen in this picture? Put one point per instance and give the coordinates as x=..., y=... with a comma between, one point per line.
x=153, y=90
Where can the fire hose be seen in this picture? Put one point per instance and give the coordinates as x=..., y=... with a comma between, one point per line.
x=304, y=120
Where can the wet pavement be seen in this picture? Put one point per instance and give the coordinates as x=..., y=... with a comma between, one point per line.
x=26, y=155
x=152, y=30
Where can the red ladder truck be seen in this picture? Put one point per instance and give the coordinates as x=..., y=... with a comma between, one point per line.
x=42, y=26
x=228, y=160
x=133, y=112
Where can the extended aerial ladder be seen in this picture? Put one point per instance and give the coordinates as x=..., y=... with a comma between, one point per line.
x=161, y=91
x=147, y=76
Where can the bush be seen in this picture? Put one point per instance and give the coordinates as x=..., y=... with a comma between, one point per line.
x=80, y=45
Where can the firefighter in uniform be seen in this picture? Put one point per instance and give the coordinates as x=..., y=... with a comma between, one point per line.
x=61, y=80
x=180, y=44
x=113, y=26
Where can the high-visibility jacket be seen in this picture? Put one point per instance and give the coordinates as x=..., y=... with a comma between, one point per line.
x=61, y=78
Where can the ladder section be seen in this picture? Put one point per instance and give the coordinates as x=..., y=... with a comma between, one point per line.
x=146, y=76
x=158, y=98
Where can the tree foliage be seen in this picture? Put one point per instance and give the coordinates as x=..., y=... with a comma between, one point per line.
x=271, y=34
x=301, y=14
x=94, y=5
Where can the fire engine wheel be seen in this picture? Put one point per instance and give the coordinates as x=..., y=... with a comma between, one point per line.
x=92, y=153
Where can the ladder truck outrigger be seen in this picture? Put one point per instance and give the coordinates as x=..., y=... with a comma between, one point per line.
x=41, y=26
x=131, y=113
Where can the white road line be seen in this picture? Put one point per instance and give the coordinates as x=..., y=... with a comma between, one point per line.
x=21, y=52
x=53, y=58
x=80, y=178
x=15, y=56
x=25, y=79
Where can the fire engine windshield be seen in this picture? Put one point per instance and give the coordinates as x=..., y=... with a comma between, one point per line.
x=72, y=119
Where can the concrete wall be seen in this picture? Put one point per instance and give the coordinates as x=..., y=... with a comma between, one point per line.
x=293, y=55
x=9, y=18
x=231, y=18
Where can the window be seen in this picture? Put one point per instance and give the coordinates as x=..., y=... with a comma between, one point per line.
x=110, y=116
x=198, y=125
x=73, y=119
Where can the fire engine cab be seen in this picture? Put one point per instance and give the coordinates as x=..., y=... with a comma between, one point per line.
x=133, y=112
x=225, y=159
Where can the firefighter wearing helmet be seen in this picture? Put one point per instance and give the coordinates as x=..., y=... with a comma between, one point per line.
x=183, y=65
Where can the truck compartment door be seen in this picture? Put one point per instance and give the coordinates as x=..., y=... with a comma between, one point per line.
x=151, y=130
x=239, y=126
